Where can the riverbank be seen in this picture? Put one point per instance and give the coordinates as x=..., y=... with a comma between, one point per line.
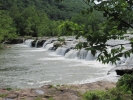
x=50, y=92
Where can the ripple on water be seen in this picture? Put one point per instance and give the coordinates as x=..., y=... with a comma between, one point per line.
x=25, y=67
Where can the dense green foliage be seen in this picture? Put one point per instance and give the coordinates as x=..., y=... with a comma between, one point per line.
x=125, y=83
x=70, y=28
x=35, y=17
x=118, y=19
x=7, y=28
x=113, y=94
x=53, y=9
x=123, y=91
x=98, y=23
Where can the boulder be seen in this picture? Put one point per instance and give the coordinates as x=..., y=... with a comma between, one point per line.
x=124, y=71
x=57, y=44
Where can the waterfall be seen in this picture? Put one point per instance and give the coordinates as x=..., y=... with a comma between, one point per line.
x=72, y=54
x=36, y=43
x=90, y=56
x=48, y=46
x=61, y=51
x=68, y=52
x=49, y=41
x=129, y=60
x=28, y=42
x=82, y=54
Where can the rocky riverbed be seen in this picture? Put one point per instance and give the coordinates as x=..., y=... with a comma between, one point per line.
x=58, y=92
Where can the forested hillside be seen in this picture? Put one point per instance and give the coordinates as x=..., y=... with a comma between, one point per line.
x=46, y=18
x=53, y=9
x=35, y=17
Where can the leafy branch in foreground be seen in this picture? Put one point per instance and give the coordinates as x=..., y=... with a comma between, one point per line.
x=118, y=20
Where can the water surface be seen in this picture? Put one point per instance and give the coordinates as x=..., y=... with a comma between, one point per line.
x=25, y=67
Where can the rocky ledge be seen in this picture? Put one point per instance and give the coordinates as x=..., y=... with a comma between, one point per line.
x=50, y=92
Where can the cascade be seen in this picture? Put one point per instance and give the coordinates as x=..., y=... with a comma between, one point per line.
x=49, y=41
x=28, y=42
x=68, y=52
x=90, y=56
x=36, y=43
x=82, y=54
x=129, y=60
x=61, y=51
x=49, y=46
x=72, y=54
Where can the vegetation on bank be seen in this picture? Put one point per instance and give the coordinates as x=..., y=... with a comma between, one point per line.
x=123, y=91
x=40, y=18
x=98, y=23
x=116, y=20
x=35, y=18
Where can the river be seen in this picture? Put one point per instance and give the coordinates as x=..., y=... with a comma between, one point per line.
x=25, y=67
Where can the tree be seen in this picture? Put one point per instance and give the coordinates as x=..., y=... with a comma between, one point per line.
x=69, y=28
x=119, y=18
x=33, y=22
x=125, y=83
x=7, y=28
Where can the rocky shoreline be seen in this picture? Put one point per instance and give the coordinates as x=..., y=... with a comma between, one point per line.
x=58, y=92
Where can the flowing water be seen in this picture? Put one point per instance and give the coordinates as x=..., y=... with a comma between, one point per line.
x=25, y=67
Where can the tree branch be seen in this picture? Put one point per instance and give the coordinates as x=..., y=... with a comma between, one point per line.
x=87, y=3
x=130, y=2
x=118, y=18
x=123, y=21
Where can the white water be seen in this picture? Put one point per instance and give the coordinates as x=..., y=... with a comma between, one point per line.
x=36, y=43
x=28, y=42
x=61, y=51
x=48, y=46
x=25, y=67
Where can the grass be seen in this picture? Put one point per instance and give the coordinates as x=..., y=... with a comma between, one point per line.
x=58, y=85
x=113, y=94
x=50, y=99
x=51, y=86
x=3, y=95
x=38, y=98
x=8, y=89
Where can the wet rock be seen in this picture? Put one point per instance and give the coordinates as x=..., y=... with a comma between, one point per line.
x=27, y=98
x=8, y=99
x=40, y=43
x=40, y=92
x=44, y=99
x=27, y=94
x=57, y=44
x=14, y=41
x=47, y=96
x=63, y=92
x=12, y=96
x=3, y=91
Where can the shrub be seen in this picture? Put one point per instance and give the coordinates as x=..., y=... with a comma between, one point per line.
x=96, y=95
x=125, y=83
x=113, y=94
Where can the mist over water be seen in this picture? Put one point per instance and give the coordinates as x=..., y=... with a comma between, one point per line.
x=25, y=67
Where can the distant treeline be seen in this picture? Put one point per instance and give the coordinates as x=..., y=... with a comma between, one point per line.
x=41, y=17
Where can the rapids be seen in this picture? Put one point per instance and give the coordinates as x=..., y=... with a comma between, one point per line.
x=23, y=66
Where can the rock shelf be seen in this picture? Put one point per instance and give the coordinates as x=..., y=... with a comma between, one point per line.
x=59, y=92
